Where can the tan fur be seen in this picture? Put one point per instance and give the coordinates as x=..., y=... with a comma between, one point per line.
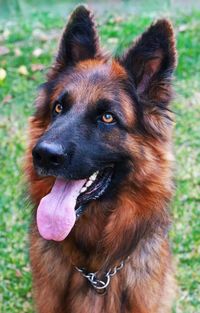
x=106, y=232
x=146, y=279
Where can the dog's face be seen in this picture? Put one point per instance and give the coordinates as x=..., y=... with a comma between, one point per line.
x=102, y=111
x=92, y=114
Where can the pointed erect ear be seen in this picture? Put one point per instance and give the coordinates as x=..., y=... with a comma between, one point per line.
x=79, y=40
x=151, y=60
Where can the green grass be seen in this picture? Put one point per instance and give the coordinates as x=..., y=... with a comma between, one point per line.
x=27, y=34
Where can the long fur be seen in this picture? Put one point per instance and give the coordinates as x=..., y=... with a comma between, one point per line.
x=134, y=222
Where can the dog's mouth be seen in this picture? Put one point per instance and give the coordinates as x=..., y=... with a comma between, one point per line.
x=95, y=186
x=57, y=211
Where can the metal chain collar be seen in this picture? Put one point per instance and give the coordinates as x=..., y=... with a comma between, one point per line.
x=100, y=285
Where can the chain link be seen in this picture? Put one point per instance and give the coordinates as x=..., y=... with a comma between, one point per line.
x=100, y=285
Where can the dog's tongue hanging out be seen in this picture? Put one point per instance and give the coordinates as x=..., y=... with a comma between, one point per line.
x=56, y=212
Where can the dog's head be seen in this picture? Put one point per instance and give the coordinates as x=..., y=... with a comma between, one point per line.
x=103, y=115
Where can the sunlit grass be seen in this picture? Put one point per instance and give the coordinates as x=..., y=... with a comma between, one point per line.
x=17, y=92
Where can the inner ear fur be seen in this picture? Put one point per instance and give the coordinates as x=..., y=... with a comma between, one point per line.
x=152, y=58
x=150, y=63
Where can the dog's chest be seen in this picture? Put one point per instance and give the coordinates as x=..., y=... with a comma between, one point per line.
x=81, y=297
x=111, y=302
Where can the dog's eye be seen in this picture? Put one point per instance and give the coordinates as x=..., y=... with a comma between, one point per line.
x=58, y=108
x=108, y=118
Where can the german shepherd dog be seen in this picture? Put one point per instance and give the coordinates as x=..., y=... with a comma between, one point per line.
x=99, y=167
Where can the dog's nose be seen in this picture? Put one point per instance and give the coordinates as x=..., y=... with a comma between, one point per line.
x=48, y=154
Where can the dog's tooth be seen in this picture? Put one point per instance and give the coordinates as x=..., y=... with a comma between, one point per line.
x=83, y=189
x=94, y=176
x=89, y=183
x=91, y=177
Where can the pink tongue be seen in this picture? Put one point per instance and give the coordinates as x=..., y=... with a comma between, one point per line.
x=56, y=212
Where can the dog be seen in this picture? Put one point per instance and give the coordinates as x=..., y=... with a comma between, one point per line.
x=99, y=167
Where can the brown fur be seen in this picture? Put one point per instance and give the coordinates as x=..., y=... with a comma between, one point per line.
x=134, y=224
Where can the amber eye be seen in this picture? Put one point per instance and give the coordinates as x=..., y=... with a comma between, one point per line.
x=107, y=118
x=58, y=108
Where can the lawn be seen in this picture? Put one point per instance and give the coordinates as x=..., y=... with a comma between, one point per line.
x=28, y=41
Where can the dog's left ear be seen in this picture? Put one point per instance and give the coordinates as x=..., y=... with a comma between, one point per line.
x=79, y=40
x=151, y=60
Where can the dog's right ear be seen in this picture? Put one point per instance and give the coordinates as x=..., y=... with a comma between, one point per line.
x=79, y=40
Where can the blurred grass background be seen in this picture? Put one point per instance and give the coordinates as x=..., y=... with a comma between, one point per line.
x=29, y=33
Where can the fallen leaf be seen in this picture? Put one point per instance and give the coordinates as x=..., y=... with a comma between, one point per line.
x=29, y=295
x=6, y=33
x=17, y=52
x=37, y=52
x=2, y=74
x=7, y=99
x=4, y=50
x=37, y=67
x=18, y=273
x=27, y=268
x=23, y=70
x=26, y=306
x=113, y=40
x=118, y=19
x=182, y=28
x=40, y=35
